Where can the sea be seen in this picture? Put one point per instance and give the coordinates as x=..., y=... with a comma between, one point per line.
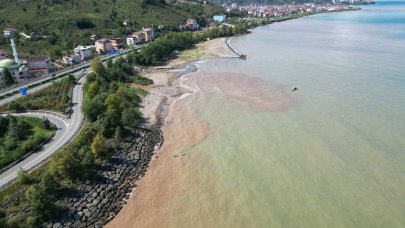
x=246, y=149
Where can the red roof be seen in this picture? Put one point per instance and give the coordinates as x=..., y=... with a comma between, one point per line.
x=38, y=70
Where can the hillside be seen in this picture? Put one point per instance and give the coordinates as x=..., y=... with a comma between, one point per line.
x=67, y=23
x=275, y=2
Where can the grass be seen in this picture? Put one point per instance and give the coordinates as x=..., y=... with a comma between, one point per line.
x=195, y=53
x=35, y=133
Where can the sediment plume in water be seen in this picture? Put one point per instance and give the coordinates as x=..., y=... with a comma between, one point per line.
x=246, y=91
x=179, y=170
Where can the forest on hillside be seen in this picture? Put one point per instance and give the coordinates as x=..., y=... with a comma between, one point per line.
x=61, y=25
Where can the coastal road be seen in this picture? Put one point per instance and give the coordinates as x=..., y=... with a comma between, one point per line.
x=67, y=129
x=38, y=88
x=77, y=68
x=64, y=134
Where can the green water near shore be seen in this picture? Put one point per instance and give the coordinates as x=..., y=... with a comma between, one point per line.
x=331, y=156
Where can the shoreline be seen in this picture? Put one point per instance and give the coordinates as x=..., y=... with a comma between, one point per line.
x=158, y=106
x=172, y=89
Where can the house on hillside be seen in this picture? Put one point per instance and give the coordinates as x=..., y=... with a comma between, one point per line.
x=149, y=34
x=93, y=37
x=103, y=45
x=39, y=65
x=8, y=31
x=126, y=23
x=84, y=52
x=191, y=24
x=116, y=43
x=136, y=38
x=3, y=54
x=71, y=59
x=19, y=72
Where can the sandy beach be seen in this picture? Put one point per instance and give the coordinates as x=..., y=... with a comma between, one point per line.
x=159, y=184
x=166, y=88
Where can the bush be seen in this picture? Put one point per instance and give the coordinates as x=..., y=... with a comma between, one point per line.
x=23, y=177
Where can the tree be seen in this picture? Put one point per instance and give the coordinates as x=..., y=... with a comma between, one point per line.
x=42, y=203
x=130, y=117
x=16, y=132
x=93, y=108
x=113, y=103
x=48, y=183
x=99, y=146
x=23, y=177
x=93, y=89
x=97, y=67
x=117, y=137
x=64, y=165
x=7, y=77
x=3, y=125
x=14, y=106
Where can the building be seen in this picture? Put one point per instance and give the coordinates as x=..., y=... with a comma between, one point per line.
x=39, y=65
x=149, y=34
x=103, y=45
x=7, y=32
x=219, y=18
x=126, y=22
x=191, y=24
x=19, y=72
x=93, y=37
x=84, y=52
x=71, y=59
x=135, y=38
x=116, y=43
x=130, y=41
x=3, y=55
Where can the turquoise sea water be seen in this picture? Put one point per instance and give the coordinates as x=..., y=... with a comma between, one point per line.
x=331, y=154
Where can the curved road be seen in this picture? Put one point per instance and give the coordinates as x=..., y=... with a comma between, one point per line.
x=66, y=131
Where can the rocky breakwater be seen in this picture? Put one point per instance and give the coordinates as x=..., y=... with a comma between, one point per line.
x=96, y=203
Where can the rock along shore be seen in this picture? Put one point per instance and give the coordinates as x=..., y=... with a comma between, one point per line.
x=96, y=203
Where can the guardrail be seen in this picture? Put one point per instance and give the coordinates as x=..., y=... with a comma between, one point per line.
x=50, y=113
x=28, y=154
x=47, y=158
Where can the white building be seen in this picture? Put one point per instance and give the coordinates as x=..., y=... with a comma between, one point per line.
x=85, y=52
x=72, y=59
x=19, y=72
x=131, y=41
x=7, y=32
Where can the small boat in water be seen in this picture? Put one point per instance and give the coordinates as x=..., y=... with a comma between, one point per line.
x=294, y=89
x=242, y=57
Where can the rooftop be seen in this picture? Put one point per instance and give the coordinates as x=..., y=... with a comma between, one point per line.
x=7, y=63
x=37, y=58
x=104, y=40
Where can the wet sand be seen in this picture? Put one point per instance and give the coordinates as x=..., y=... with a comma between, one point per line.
x=166, y=88
x=148, y=205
